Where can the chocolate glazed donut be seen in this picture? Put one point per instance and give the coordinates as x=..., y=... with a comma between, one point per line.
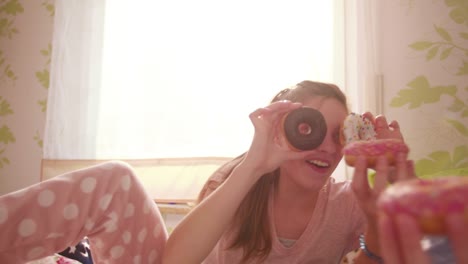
x=304, y=128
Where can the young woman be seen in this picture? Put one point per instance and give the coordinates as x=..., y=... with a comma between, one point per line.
x=269, y=205
x=276, y=205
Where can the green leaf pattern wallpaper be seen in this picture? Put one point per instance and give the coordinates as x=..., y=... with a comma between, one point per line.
x=25, y=53
x=8, y=12
x=436, y=89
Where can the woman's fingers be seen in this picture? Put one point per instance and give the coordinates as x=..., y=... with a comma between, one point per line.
x=360, y=183
x=402, y=166
x=259, y=113
x=389, y=240
x=458, y=234
x=272, y=112
x=400, y=240
x=410, y=236
x=382, y=171
x=283, y=106
x=369, y=116
x=410, y=169
x=380, y=123
x=394, y=125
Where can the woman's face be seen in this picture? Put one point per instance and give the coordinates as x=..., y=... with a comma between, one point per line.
x=319, y=165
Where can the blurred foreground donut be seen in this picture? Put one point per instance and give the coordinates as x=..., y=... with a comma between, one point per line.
x=304, y=128
x=359, y=138
x=429, y=201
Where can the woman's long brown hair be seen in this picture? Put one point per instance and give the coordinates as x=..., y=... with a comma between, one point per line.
x=251, y=222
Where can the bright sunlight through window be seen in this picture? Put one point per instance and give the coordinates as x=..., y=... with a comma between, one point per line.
x=184, y=75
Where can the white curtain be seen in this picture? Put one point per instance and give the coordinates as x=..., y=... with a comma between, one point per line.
x=364, y=78
x=168, y=79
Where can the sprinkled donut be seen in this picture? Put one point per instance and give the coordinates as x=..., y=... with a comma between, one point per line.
x=304, y=128
x=359, y=138
x=356, y=128
x=428, y=200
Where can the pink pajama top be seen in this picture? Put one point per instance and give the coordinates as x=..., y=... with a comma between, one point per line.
x=331, y=233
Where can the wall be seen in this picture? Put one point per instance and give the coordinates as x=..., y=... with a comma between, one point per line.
x=25, y=37
x=425, y=68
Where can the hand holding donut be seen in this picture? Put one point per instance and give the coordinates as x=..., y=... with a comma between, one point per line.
x=364, y=135
x=367, y=196
x=398, y=168
x=268, y=149
x=401, y=234
x=383, y=129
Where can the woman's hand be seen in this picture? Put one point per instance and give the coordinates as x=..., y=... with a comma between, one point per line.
x=400, y=239
x=365, y=194
x=403, y=170
x=384, y=129
x=269, y=149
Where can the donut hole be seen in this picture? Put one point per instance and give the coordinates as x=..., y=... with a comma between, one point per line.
x=304, y=129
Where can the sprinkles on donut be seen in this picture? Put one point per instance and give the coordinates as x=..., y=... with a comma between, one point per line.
x=360, y=139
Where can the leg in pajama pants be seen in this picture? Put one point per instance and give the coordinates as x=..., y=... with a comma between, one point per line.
x=106, y=203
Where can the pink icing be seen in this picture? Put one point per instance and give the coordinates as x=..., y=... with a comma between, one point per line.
x=375, y=147
x=427, y=198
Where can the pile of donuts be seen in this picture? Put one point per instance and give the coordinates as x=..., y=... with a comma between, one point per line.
x=427, y=200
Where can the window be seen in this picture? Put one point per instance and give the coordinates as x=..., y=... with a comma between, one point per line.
x=177, y=79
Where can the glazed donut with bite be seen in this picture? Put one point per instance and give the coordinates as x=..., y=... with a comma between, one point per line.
x=429, y=201
x=304, y=128
x=359, y=137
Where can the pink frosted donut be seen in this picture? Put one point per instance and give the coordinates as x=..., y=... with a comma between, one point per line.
x=373, y=149
x=429, y=201
x=359, y=138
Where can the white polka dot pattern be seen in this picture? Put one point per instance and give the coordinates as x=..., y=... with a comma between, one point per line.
x=88, y=185
x=70, y=211
x=126, y=183
x=46, y=198
x=111, y=223
x=129, y=210
x=117, y=252
x=89, y=224
x=27, y=227
x=127, y=237
x=152, y=256
x=142, y=235
x=55, y=235
x=35, y=252
x=137, y=259
x=105, y=201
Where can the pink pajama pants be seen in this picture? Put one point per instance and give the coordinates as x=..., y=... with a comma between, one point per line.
x=106, y=203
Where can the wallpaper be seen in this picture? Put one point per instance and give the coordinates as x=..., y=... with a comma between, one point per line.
x=8, y=12
x=25, y=54
x=441, y=49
